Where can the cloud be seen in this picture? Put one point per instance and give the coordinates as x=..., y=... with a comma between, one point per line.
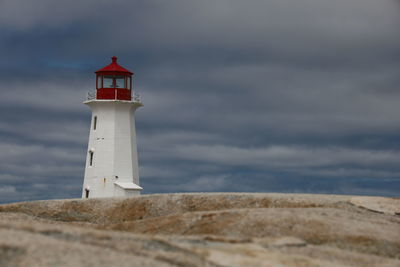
x=61, y=96
x=7, y=190
x=26, y=15
x=41, y=131
x=268, y=99
x=204, y=184
x=287, y=157
x=349, y=172
x=293, y=96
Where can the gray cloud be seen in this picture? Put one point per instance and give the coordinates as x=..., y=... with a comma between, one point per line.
x=281, y=156
x=266, y=95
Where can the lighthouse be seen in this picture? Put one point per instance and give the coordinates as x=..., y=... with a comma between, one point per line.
x=112, y=161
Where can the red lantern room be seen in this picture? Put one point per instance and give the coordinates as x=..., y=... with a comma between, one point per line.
x=114, y=82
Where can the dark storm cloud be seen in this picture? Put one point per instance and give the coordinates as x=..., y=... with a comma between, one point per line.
x=279, y=95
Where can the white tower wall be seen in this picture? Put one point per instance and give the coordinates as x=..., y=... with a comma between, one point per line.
x=113, y=170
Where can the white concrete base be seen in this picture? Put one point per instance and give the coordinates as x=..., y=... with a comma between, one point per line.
x=126, y=189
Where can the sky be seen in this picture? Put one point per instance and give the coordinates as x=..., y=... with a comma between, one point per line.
x=292, y=96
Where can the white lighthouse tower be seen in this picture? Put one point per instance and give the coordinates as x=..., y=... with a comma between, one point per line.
x=112, y=160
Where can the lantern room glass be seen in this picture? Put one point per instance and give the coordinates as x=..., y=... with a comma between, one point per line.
x=114, y=81
x=120, y=82
x=108, y=82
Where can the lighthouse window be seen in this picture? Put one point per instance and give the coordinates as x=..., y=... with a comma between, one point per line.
x=86, y=193
x=119, y=81
x=108, y=82
x=90, y=158
x=94, y=122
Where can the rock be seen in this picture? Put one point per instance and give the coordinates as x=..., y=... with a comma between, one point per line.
x=378, y=204
x=199, y=230
x=286, y=241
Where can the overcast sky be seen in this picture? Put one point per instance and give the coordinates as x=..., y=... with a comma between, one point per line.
x=258, y=96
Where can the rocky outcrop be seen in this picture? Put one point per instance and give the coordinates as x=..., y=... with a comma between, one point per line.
x=230, y=229
x=378, y=204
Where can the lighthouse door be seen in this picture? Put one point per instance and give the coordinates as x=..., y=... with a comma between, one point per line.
x=86, y=193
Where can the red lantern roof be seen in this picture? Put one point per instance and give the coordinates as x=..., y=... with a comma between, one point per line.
x=113, y=67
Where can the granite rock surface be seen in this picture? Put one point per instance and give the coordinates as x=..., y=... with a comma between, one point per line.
x=203, y=229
